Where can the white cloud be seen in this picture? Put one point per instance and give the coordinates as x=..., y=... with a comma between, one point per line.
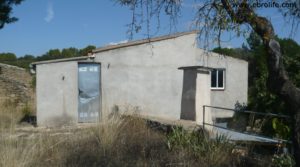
x=120, y=42
x=50, y=13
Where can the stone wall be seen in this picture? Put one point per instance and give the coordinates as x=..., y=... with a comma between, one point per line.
x=15, y=84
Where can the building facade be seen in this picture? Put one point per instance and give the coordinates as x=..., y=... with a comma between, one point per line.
x=166, y=77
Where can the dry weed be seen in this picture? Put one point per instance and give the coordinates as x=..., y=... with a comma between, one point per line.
x=107, y=130
x=115, y=141
x=17, y=152
x=9, y=115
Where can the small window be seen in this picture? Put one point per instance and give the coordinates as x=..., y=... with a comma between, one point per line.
x=218, y=79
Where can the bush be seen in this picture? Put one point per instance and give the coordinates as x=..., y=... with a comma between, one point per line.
x=283, y=160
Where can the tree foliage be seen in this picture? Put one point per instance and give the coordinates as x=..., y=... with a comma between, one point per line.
x=260, y=98
x=65, y=53
x=7, y=57
x=239, y=53
x=291, y=59
x=85, y=51
x=24, y=61
x=212, y=17
x=6, y=11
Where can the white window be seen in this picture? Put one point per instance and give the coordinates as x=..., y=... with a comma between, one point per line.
x=218, y=79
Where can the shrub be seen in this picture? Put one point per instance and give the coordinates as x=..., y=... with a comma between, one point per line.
x=210, y=152
x=283, y=160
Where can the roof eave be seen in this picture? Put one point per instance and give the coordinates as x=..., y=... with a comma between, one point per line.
x=61, y=60
x=143, y=41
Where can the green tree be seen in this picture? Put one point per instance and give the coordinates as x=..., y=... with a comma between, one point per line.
x=27, y=57
x=7, y=57
x=261, y=99
x=291, y=59
x=6, y=10
x=54, y=53
x=239, y=53
x=213, y=17
x=65, y=53
x=24, y=61
x=254, y=41
x=51, y=54
x=70, y=52
x=86, y=50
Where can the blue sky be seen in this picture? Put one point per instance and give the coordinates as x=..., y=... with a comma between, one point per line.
x=49, y=24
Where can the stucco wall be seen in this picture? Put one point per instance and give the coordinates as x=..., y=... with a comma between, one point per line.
x=143, y=78
x=146, y=78
x=203, y=97
x=236, y=82
x=57, y=93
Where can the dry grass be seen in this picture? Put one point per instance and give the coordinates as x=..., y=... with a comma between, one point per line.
x=116, y=141
x=16, y=152
x=124, y=141
x=9, y=115
x=107, y=131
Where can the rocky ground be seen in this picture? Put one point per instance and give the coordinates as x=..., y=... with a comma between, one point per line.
x=15, y=85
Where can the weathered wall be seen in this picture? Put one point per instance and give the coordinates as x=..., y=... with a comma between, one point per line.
x=236, y=81
x=57, y=93
x=146, y=77
x=15, y=84
x=203, y=97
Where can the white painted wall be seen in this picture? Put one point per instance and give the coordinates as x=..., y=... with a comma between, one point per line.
x=146, y=77
x=57, y=93
x=142, y=78
x=236, y=82
x=203, y=97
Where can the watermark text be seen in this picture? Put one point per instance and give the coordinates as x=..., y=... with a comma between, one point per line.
x=271, y=4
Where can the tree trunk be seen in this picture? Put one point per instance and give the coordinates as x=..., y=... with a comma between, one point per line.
x=279, y=83
x=278, y=80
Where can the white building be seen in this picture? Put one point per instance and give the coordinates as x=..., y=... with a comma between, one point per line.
x=166, y=77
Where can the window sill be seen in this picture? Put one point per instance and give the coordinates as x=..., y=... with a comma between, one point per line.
x=217, y=89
